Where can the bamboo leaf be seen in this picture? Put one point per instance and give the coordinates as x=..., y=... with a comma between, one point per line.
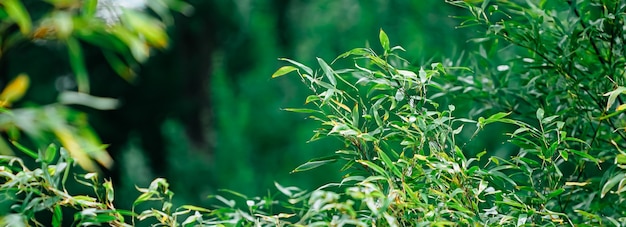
x=283, y=70
x=300, y=65
x=384, y=40
x=78, y=64
x=17, y=12
x=314, y=163
x=328, y=71
x=611, y=183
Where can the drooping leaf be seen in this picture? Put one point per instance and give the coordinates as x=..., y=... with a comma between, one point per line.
x=611, y=183
x=18, y=13
x=613, y=95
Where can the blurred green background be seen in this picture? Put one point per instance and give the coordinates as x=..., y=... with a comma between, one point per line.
x=205, y=114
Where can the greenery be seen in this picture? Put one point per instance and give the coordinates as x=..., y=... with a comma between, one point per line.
x=413, y=137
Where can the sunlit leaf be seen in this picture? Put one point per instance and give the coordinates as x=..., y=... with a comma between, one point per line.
x=195, y=208
x=384, y=40
x=299, y=65
x=16, y=10
x=373, y=166
x=283, y=70
x=151, y=29
x=613, y=95
x=15, y=90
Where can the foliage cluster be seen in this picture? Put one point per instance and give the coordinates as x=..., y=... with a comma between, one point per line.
x=405, y=157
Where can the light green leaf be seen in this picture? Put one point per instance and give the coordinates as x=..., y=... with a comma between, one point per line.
x=564, y=154
x=384, y=40
x=385, y=158
x=89, y=8
x=540, y=114
x=18, y=13
x=373, y=166
x=50, y=153
x=355, y=51
x=301, y=110
x=611, y=183
x=613, y=95
x=328, y=72
x=314, y=163
x=100, y=103
x=283, y=70
x=195, y=208
x=300, y=65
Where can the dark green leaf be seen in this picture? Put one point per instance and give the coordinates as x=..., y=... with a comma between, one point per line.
x=78, y=64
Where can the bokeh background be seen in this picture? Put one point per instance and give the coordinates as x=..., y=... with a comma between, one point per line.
x=205, y=114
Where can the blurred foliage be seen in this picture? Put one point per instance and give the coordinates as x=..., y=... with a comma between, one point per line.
x=202, y=112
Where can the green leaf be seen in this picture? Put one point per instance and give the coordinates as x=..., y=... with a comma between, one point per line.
x=388, y=163
x=539, y=114
x=108, y=189
x=311, y=98
x=301, y=110
x=50, y=153
x=355, y=51
x=328, y=72
x=564, y=154
x=78, y=64
x=611, y=183
x=314, y=163
x=119, y=66
x=555, y=193
x=584, y=155
x=373, y=166
x=57, y=216
x=89, y=8
x=24, y=149
x=355, y=115
x=16, y=10
x=79, y=98
x=620, y=159
x=300, y=65
x=384, y=40
x=496, y=117
x=195, y=208
x=613, y=95
x=283, y=70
